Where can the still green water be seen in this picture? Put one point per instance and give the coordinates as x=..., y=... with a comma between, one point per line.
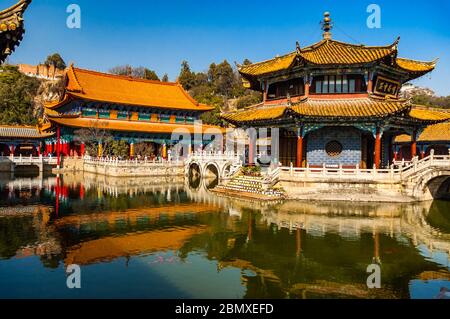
x=174, y=239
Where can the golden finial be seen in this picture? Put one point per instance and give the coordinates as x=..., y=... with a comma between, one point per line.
x=327, y=25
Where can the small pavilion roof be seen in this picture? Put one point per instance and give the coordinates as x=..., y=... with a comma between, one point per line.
x=17, y=131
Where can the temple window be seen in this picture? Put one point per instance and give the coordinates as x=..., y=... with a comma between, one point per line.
x=165, y=118
x=333, y=148
x=337, y=84
x=180, y=119
x=190, y=119
x=87, y=112
x=122, y=115
x=103, y=114
x=144, y=117
x=294, y=87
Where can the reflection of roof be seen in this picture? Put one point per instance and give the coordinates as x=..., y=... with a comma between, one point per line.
x=133, y=214
x=436, y=132
x=102, y=87
x=109, y=248
x=21, y=132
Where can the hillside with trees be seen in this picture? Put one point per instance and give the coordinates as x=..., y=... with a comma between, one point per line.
x=220, y=86
x=17, y=96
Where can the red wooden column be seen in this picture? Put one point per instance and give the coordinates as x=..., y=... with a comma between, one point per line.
x=58, y=146
x=377, y=157
x=251, y=152
x=414, y=144
x=82, y=149
x=299, y=147
x=369, y=83
x=266, y=89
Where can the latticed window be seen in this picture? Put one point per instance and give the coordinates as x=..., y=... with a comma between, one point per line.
x=333, y=148
x=180, y=119
x=103, y=114
x=331, y=84
x=122, y=115
x=89, y=112
x=144, y=117
x=165, y=118
x=190, y=119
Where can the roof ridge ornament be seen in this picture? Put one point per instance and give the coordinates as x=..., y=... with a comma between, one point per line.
x=327, y=25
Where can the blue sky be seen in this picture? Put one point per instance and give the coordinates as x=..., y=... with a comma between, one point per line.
x=160, y=34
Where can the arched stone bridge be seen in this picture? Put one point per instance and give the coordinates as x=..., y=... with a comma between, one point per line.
x=430, y=179
x=205, y=164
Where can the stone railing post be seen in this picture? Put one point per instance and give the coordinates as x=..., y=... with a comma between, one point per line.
x=291, y=170
x=324, y=169
x=374, y=171
x=357, y=170
x=307, y=170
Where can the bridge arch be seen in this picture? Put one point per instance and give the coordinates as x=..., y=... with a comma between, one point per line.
x=211, y=169
x=434, y=184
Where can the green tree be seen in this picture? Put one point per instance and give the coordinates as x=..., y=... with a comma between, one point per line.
x=186, y=77
x=150, y=75
x=17, y=93
x=56, y=60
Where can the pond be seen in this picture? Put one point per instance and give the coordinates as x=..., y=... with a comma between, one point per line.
x=170, y=238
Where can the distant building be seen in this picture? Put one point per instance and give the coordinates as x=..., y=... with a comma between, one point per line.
x=41, y=71
x=409, y=90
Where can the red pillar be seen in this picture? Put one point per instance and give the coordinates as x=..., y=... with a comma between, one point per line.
x=299, y=147
x=39, y=149
x=377, y=157
x=369, y=83
x=414, y=144
x=58, y=146
x=307, y=88
x=11, y=150
x=251, y=152
x=82, y=149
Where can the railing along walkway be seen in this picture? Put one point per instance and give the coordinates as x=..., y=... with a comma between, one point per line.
x=391, y=174
x=29, y=160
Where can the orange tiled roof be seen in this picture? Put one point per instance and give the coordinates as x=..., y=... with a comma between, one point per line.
x=336, y=52
x=416, y=66
x=436, y=132
x=269, y=66
x=256, y=113
x=130, y=126
x=11, y=21
x=319, y=107
x=322, y=53
x=96, y=86
x=331, y=52
x=424, y=114
x=351, y=107
x=20, y=131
